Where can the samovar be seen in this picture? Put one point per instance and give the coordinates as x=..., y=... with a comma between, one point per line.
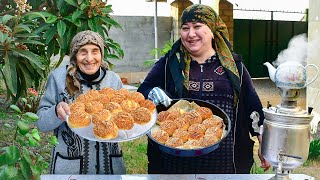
x=286, y=128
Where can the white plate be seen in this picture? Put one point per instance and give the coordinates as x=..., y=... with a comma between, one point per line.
x=123, y=135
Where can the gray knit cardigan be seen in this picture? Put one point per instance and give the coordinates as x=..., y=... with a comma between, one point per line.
x=74, y=154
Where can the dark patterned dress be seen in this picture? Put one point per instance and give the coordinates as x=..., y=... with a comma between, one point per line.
x=209, y=82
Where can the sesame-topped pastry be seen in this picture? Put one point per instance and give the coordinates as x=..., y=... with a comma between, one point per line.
x=181, y=134
x=148, y=104
x=192, y=117
x=123, y=120
x=195, y=135
x=118, y=98
x=208, y=140
x=79, y=119
x=211, y=122
x=124, y=92
x=103, y=115
x=168, y=126
x=108, y=91
x=136, y=96
x=162, y=116
x=160, y=135
x=192, y=144
x=174, y=142
x=141, y=115
x=77, y=106
x=113, y=107
x=105, y=130
x=182, y=123
x=204, y=112
x=214, y=131
x=129, y=105
x=93, y=106
x=103, y=98
x=200, y=128
x=173, y=115
x=84, y=98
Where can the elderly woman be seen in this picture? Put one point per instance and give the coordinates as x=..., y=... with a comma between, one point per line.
x=202, y=65
x=87, y=70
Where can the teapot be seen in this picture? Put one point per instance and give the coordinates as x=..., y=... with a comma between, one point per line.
x=290, y=75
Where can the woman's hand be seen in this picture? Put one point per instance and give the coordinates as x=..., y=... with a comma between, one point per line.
x=62, y=110
x=264, y=163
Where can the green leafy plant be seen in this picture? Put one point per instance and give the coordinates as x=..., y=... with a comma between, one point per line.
x=32, y=32
x=19, y=160
x=161, y=51
x=314, y=150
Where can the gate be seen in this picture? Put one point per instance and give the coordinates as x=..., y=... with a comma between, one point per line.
x=259, y=41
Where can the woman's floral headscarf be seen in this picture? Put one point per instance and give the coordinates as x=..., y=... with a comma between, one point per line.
x=80, y=39
x=206, y=15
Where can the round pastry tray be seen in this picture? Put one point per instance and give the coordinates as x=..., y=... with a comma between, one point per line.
x=123, y=135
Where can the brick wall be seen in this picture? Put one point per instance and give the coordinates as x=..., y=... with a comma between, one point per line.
x=226, y=14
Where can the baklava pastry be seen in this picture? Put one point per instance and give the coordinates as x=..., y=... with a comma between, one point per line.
x=211, y=122
x=169, y=127
x=192, y=117
x=162, y=116
x=200, y=128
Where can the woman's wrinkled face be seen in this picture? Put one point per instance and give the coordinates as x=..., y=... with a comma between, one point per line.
x=89, y=58
x=196, y=37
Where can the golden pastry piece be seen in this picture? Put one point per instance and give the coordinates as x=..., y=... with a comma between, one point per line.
x=141, y=115
x=174, y=142
x=79, y=119
x=124, y=92
x=168, y=126
x=85, y=98
x=148, y=104
x=192, y=117
x=195, y=135
x=77, y=106
x=182, y=123
x=100, y=116
x=173, y=116
x=204, y=112
x=208, y=140
x=214, y=131
x=136, y=96
x=200, y=128
x=181, y=134
x=93, y=93
x=160, y=135
x=108, y=91
x=113, y=107
x=93, y=106
x=129, y=105
x=211, y=122
x=192, y=144
x=118, y=98
x=123, y=120
x=162, y=116
x=105, y=130
x=103, y=98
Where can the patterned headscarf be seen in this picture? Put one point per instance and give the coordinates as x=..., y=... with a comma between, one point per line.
x=80, y=39
x=206, y=15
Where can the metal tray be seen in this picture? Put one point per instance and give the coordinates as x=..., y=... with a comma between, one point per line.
x=123, y=135
x=199, y=151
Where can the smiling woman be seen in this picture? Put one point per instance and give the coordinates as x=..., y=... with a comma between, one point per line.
x=89, y=59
